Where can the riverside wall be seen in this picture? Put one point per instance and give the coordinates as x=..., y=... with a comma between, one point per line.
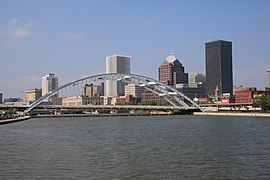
x=248, y=114
x=7, y=121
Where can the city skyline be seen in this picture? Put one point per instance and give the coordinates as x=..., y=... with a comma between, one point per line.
x=74, y=38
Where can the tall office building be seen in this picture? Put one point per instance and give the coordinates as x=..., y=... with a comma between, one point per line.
x=268, y=77
x=172, y=72
x=116, y=64
x=49, y=83
x=218, y=58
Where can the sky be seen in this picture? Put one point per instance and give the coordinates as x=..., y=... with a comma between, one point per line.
x=71, y=38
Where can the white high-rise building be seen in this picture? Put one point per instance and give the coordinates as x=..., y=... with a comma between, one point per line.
x=49, y=83
x=116, y=64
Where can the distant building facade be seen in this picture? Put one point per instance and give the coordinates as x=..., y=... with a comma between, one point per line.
x=33, y=94
x=74, y=100
x=49, y=83
x=227, y=98
x=196, y=79
x=250, y=95
x=91, y=90
x=239, y=88
x=116, y=64
x=134, y=90
x=124, y=99
x=172, y=72
x=1, y=98
x=192, y=91
x=57, y=100
x=12, y=99
x=268, y=77
x=82, y=100
x=244, y=95
x=218, y=58
x=150, y=96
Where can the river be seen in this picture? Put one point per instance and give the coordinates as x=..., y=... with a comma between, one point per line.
x=161, y=147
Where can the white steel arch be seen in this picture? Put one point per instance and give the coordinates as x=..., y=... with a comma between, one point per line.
x=168, y=93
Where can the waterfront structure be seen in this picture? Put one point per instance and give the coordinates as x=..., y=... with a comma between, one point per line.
x=218, y=58
x=91, y=90
x=116, y=64
x=268, y=77
x=134, y=90
x=172, y=72
x=1, y=98
x=33, y=94
x=49, y=83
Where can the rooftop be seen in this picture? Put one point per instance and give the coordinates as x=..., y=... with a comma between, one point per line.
x=171, y=58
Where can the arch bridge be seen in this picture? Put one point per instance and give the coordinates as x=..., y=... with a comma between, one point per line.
x=171, y=95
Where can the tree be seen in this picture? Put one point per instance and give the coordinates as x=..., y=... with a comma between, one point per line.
x=264, y=102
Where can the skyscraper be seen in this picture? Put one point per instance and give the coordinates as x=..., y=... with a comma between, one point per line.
x=49, y=83
x=116, y=64
x=172, y=72
x=218, y=58
x=268, y=77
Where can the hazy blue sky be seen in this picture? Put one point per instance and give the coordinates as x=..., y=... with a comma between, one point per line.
x=72, y=38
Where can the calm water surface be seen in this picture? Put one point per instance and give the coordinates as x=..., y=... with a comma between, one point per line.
x=173, y=147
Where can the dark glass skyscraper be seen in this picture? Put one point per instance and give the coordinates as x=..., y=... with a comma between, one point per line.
x=218, y=58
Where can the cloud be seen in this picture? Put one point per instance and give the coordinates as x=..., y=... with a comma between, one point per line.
x=73, y=36
x=20, y=33
x=16, y=29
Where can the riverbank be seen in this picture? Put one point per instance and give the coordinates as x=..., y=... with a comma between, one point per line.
x=97, y=115
x=7, y=121
x=249, y=114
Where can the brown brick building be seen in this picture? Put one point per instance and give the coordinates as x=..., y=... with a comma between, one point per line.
x=172, y=72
